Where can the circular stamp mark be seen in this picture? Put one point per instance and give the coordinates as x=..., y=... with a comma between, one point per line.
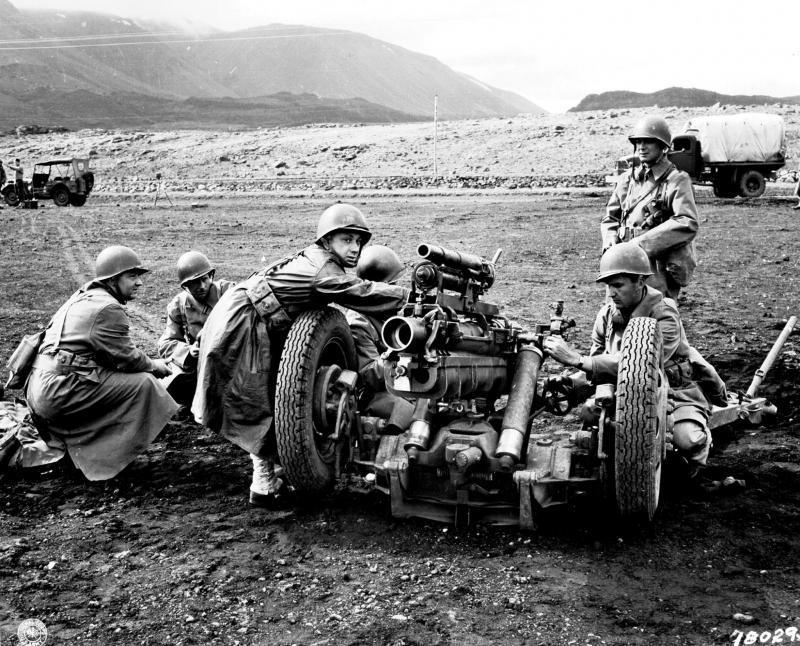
x=32, y=632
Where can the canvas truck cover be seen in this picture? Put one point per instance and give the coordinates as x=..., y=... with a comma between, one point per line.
x=750, y=137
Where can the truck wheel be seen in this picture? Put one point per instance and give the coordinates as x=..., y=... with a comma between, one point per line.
x=77, y=200
x=60, y=196
x=641, y=420
x=318, y=345
x=752, y=184
x=10, y=196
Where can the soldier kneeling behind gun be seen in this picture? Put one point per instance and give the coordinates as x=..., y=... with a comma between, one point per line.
x=624, y=269
x=380, y=264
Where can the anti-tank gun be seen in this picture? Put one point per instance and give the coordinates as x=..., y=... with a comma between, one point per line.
x=460, y=361
x=465, y=376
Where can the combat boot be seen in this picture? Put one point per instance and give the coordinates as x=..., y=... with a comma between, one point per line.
x=267, y=490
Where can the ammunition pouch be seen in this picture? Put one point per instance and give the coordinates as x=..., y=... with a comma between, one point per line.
x=679, y=372
x=21, y=362
x=266, y=304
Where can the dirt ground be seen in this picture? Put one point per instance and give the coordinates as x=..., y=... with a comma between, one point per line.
x=170, y=553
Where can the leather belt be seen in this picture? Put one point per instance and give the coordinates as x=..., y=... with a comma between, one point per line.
x=64, y=360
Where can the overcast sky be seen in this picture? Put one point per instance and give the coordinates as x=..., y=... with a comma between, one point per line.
x=553, y=52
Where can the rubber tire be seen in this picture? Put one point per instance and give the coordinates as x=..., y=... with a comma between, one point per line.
x=60, y=196
x=317, y=338
x=77, y=200
x=641, y=420
x=10, y=196
x=752, y=184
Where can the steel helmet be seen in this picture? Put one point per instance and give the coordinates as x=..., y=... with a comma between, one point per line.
x=343, y=217
x=651, y=127
x=114, y=260
x=191, y=265
x=624, y=258
x=379, y=263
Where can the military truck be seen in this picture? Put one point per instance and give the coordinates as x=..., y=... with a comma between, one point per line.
x=736, y=154
x=65, y=181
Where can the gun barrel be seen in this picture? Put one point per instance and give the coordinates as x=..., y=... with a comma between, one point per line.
x=456, y=259
x=771, y=357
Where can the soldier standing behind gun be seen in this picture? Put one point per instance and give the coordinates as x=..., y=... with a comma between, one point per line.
x=654, y=205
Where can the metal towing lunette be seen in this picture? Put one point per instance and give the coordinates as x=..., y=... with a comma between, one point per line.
x=456, y=443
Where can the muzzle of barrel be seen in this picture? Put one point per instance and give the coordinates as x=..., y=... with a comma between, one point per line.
x=404, y=334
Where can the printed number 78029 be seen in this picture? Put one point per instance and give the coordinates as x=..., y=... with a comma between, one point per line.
x=778, y=636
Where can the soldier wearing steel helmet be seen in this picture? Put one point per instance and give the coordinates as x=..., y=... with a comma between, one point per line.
x=654, y=205
x=624, y=269
x=186, y=316
x=243, y=336
x=377, y=263
x=91, y=388
x=381, y=264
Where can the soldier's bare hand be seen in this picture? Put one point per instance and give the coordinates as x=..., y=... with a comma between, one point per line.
x=194, y=351
x=161, y=368
x=560, y=350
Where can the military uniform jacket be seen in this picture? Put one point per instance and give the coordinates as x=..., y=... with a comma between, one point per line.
x=366, y=332
x=92, y=389
x=186, y=317
x=241, y=341
x=96, y=327
x=635, y=198
x=609, y=326
x=313, y=278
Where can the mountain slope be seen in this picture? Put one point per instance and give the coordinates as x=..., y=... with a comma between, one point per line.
x=673, y=96
x=342, y=64
x=102, y=54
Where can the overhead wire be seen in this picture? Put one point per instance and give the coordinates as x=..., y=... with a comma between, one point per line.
x=179, y=41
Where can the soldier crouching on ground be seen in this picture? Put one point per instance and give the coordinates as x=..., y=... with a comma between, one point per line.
x=624, y=269
x=90, y=387
x=654, y=205
x=186, y=315
x=242, y=340
x=377, y=263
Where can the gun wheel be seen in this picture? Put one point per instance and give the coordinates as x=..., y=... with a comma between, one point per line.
x=641, y=420
x=318, y=347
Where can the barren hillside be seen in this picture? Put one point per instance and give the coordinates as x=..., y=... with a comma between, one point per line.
x=574, y=149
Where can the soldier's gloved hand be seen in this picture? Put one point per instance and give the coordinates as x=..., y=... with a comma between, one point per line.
x=161, y=368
